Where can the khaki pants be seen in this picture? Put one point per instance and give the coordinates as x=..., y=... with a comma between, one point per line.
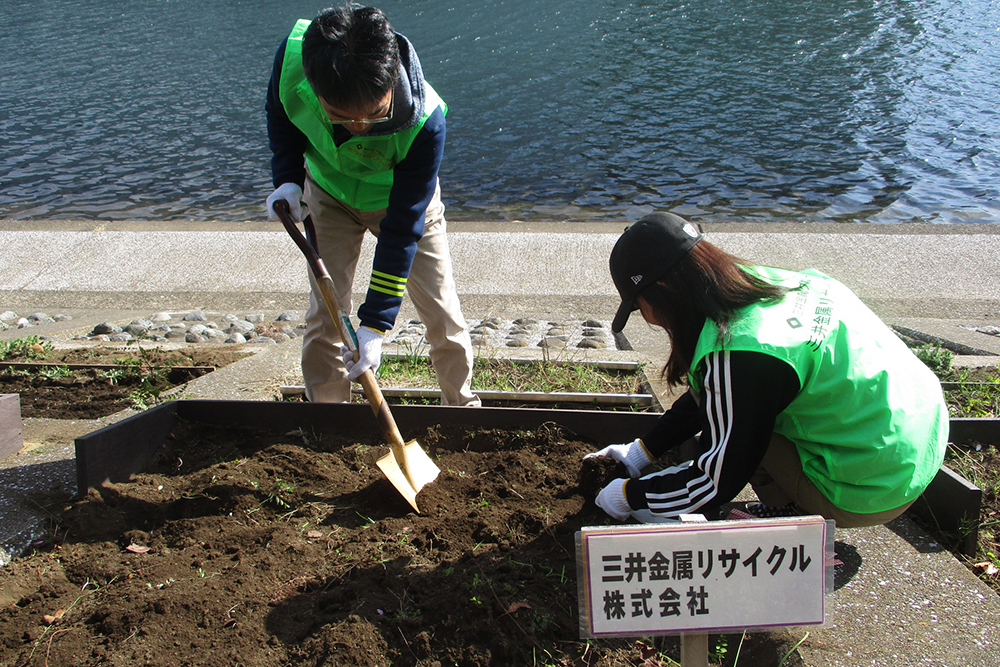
x=780, y=480
x=430, y=286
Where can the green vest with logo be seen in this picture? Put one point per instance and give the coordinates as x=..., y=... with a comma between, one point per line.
x=869, y=422
x=359, y=172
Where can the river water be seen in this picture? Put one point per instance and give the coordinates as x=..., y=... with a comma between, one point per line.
x=584, y=110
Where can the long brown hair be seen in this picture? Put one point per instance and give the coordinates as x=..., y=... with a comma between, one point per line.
x=706, y=283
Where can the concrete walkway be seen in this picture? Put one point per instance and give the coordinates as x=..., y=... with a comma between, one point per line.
x=910, y=602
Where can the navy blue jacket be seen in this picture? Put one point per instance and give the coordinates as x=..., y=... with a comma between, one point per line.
x=414, y=178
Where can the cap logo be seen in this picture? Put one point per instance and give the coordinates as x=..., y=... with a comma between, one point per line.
x=690, y=230
x=637, y=279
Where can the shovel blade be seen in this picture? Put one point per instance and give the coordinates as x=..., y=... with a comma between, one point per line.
x=410, y=474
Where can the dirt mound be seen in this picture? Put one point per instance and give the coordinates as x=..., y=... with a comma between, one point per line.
x=247, y=548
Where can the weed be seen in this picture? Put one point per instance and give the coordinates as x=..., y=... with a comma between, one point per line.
x=143, y=398
x=980, y=464
x=280, y=492
x=277, y=495
x=153, y=377
x=935, y=357
x=973, y=393
x=739, y=648
x=115, y=375
x=550, y=660
x=55, y=372
x=414, y=370
x=541, y=621
x=309, y=438
x=792, y=650
x=84, y=592
x=718, y=654
x=30, y=347
x=976, y=465
x=968, y=392
x=653, y=654
x=415, y=354
x=55, y=520
x=412, y=366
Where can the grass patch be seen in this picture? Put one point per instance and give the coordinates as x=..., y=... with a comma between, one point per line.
x=969, y=392
x=980, y=464
x=972, y=393
x=493, y=374
x=29, y=347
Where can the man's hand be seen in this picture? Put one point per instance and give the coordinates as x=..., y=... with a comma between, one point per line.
x=369, y=353
x=611, y=499
x=632, y=454
x=291, y=193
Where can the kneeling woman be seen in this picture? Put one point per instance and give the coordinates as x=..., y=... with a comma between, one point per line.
x=795, y=387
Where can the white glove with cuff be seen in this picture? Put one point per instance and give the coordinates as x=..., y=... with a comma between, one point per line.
x=633, y=454
x=369, y=353
x=611, y=499
x=291, y=193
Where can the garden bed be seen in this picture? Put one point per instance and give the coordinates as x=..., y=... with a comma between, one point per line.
x=510, y=382
x=97, y=381
x=287, y=546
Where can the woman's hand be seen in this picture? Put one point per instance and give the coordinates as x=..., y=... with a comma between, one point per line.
x=633, y=454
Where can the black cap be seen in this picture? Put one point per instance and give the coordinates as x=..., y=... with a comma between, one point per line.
x=644, y=253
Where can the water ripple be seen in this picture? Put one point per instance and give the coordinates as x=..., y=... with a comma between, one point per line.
x=859, y=110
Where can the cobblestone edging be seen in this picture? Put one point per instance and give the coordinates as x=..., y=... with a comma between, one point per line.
x=197, y=327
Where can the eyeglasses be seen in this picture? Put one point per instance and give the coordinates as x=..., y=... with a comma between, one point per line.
x=380, y=116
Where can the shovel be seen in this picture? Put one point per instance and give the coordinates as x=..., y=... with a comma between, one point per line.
x=407, y=465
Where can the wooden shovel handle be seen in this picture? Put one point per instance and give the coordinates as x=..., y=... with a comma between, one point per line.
x=326, y=289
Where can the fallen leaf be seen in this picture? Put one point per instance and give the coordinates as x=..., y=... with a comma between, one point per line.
x=988, y=568
x=137, y=548
x=514, y=606
x=49, y=620
x=646, y=652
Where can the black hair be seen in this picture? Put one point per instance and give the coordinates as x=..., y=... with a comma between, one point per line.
x=707, y=283
x=350, y=56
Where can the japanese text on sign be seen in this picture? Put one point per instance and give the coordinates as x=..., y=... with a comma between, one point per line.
x=667, y=578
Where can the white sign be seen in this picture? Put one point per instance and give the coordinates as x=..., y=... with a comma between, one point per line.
x=701, y=577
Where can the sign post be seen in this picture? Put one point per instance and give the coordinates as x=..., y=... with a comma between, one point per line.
x=694, y=649
x=692, y=579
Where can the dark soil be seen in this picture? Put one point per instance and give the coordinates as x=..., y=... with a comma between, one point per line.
x=91, y=393
x=249, y=548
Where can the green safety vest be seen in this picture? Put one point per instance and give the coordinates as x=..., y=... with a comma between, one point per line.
x=869, y=422
x=359, y=172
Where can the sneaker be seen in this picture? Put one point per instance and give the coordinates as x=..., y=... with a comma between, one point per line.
x=762, y=511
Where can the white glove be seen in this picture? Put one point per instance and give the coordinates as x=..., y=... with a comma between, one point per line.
x=369, y=353
x=292, y=194
x=611, y=499
x=633, y=454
